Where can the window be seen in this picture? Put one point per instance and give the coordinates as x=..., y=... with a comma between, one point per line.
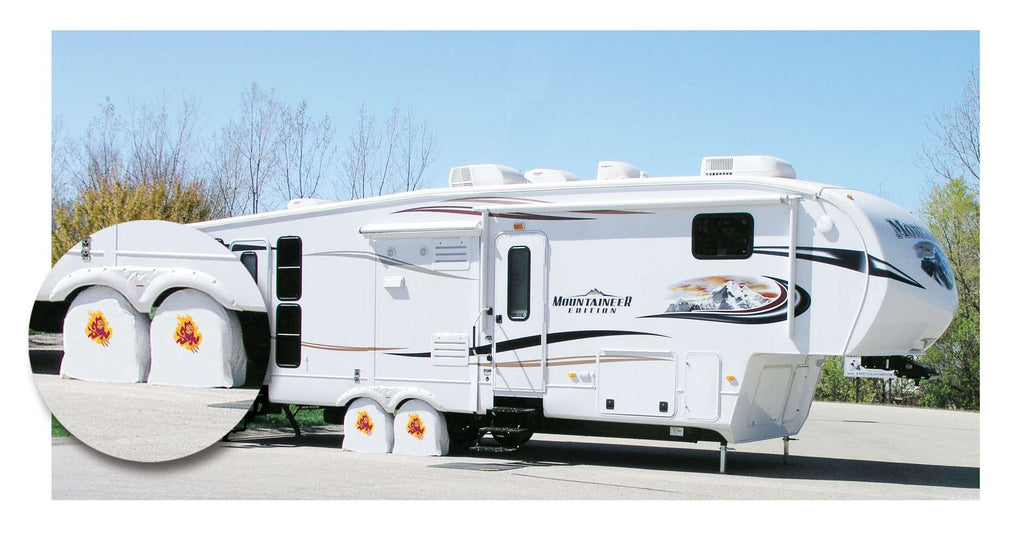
x=289, y=268
x=727, y=236
x=519, y=283
x=289, y=335
x=250, y=261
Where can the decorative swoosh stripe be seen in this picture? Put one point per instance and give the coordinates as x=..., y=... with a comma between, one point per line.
x=534, y=341
x=345, y=348
x=497, y=200
x=387, y=261
x=575, y=361
x=854, y=260
x=456, y=209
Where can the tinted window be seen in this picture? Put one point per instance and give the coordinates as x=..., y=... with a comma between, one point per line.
x=250, y=261
x=519, y=283
x=723, y=236
x=289, y=335
x=289, y=268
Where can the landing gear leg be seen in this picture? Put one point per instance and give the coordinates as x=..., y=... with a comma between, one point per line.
x=721, y=458
x=785, y=448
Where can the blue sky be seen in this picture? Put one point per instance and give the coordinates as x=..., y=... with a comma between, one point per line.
x=846, y=108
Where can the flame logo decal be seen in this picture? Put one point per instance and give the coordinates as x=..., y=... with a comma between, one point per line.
x=364, y=424
x=187, y=334
x=98, y=329
x=415, y=426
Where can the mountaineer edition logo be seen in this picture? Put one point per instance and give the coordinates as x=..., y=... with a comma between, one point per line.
x=592, y=302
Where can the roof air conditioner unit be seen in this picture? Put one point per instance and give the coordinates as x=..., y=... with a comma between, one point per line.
x=750, y=165
x=484, y=175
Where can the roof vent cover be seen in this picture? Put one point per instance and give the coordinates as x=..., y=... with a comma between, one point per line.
x=751, y=165
x=549, y=175
x=617, y=170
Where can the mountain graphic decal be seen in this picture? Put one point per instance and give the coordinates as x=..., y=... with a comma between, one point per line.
x=595, y=293
x=734, y=299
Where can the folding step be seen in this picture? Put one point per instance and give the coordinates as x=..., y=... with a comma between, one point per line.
x=503, y=430
x=512, y=411
x=493, y=449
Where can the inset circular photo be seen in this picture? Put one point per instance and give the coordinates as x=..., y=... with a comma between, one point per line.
x=149, y=340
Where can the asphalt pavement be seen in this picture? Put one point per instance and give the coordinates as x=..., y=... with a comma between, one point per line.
x=142, y=422
x=844, y=451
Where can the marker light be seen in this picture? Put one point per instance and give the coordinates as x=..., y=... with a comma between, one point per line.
x=572, y=375
x=518, y=227
x=730, y=378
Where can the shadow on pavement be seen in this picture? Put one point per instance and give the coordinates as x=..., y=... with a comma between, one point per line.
x=758, y=465
x=664, y=458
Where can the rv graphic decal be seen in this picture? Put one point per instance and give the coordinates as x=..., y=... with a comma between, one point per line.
x=391, y=262
x=934, y=263
x=415, y=427
x=594, y=301
x=364, y=424
x=534, y=341
x=578, y=360
x=854, y=260
x=733, y=299
x=346, y=348
x=469, y=209
x=187, y=334
x=97, y=329
x=907, y=231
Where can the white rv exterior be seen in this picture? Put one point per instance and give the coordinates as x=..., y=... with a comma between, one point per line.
x=696, y=308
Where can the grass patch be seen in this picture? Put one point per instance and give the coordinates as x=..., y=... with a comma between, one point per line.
x=305, y=415
x=57, y=430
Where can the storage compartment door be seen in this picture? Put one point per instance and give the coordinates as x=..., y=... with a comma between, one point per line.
x=702, y=387
x=636, y=383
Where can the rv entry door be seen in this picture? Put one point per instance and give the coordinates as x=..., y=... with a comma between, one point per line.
x=520, y=313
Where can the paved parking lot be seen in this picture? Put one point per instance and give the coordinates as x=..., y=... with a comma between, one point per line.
x=845, y=451
x=142, y=422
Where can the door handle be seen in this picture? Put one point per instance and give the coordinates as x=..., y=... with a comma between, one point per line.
x=497, y=319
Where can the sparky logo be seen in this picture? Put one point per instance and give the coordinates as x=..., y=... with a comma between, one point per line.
x=98, y=329
x=364, y=424
x=415, y=426
x=187, y=334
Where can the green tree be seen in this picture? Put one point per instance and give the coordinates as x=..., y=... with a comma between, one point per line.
x=953, y=214
x=833, y=386
x=111, y=200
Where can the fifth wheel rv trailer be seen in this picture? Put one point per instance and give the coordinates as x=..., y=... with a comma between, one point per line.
x=692, y=308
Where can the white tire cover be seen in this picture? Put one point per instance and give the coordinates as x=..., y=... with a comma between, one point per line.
x=420, y=430
x=105, y=339
x=196, y=343
x=368, y=428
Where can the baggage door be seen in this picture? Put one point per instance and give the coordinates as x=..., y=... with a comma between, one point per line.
x=521, y=313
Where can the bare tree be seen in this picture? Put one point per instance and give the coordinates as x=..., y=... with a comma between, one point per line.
x=257, y=131
x=307, y=150
x=359, y=166
x=393, y=158
x=955, y=148
x=102, y=148
x=61, y=153
x=389, y=142
x=160, y=147
x=227, y=175
x=418, y=151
